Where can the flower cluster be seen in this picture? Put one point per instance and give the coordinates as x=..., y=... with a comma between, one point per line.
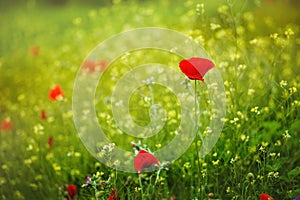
x=101, y=187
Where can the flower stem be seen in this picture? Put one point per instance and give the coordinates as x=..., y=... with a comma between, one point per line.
x=141, y=186
x=196, y=138
x=95, y=191
x=116, y=176
x=157, y=177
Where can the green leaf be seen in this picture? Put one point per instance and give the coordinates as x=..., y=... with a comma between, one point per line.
x=294, y=172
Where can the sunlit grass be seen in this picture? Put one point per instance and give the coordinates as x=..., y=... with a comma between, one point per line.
x=257, y=53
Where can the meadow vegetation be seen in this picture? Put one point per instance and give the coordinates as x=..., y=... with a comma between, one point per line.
x=255, y=46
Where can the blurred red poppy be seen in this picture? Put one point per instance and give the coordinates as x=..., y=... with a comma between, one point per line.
x=43, y=115
x=113, y=195
x=34, y=51
x=143, y=160
x=6, y=125
x=71, y=191
x=56, y=93
x=92, y=66
x=50, y=141
x=264, y=196
x=196, y=68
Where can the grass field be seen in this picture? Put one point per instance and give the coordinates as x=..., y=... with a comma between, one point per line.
x=255, y=46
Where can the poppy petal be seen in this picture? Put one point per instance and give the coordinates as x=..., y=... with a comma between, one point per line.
x=143, y=160
x=195, y=68
x=43, y=115
x=113, y=195
x=6, y=125
x=189, y=70
x=93, y=66
x=72, y=190
x=264, y=196
x=56, y=93
x=50, y=141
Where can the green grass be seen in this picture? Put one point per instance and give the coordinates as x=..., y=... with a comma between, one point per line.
x=255, y=47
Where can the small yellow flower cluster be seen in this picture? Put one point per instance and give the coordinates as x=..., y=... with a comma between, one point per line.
x=235, y=159
x=286, y=134
x=273, y=175
x=256, y=110
x=200, y=9
x=289, y=32
x=223, y=9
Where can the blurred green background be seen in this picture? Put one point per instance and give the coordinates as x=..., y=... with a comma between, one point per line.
x=255, y=45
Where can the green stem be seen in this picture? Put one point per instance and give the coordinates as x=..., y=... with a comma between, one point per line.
x=157, y=177
x=196, y=138
x=141, y=186
x=115, y=182
x=95, y=190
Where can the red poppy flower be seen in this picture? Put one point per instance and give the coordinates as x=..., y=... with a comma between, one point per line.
x=50, y=141
x=56, y=93
x=34, y=51
x=113, y=195
x=6, y=125
x=71, y=191
x=265, y=197
x=43, y=115
x=92, y=66
x=196, y=68
x=143, y=160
